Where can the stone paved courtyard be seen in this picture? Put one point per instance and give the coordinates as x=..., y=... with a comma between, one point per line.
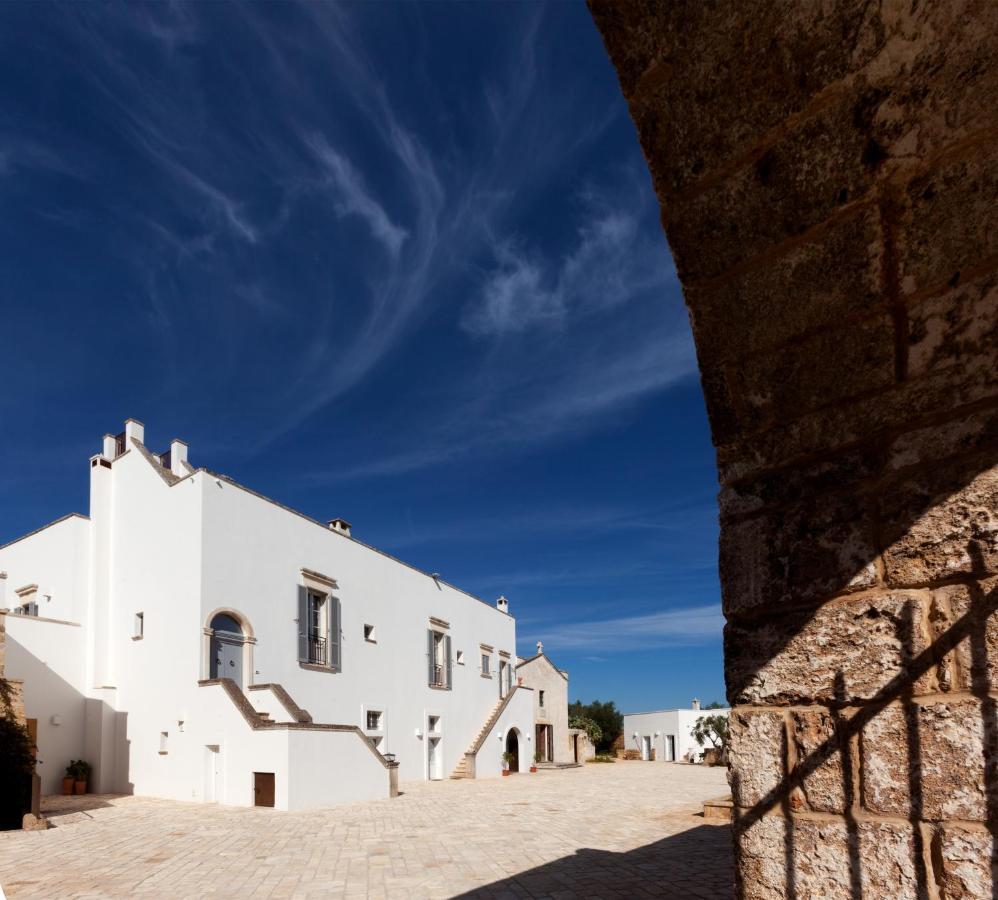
x=629, y=829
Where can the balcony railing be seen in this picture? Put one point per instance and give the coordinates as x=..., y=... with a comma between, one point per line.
x=438, y=677
x=317, y=650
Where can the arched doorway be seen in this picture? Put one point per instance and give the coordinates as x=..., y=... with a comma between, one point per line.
x=227, y=638
x=513, y=749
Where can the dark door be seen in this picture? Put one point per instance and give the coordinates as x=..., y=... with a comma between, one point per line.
x=263, y=788
x=513, y=748
x=227, y=657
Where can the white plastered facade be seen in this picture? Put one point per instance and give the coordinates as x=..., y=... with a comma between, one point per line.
x=653, y=730
x=118, y=662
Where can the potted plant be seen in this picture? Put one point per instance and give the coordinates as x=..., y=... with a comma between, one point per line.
x=67, y=781
x=81, y=773
x=537, y=759
x=507, y=758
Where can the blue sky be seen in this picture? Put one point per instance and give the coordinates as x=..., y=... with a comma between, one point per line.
x=400, y=264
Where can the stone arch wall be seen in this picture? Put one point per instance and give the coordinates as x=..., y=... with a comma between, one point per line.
x=828, y=175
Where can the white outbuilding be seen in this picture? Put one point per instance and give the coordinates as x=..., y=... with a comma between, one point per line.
x=666, y=735
x=194, y=640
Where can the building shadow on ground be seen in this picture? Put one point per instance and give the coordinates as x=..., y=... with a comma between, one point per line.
x=696, y=863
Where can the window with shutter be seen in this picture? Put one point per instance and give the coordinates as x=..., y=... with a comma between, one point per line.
x=302, y=623
x=430, y=657
x=447, y=661
x=333, y=636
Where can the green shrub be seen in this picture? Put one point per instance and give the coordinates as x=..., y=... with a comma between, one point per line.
x=17, y=763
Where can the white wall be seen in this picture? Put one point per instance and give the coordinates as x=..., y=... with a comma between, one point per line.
x=542, y=675
x=49, y=658
x=54, y=558
x=178, y=551
x=677, y=722
x=390, y=675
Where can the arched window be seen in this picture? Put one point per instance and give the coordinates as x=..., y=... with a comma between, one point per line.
x=225, y=622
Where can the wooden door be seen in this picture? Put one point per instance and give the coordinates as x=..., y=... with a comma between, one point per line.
x=263, y=788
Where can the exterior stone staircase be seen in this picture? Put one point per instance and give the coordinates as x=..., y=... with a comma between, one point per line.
x=465, y=768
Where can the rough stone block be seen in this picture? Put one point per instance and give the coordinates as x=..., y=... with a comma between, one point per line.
x=967, y=869
x=976, y=655
x=799, y=182
x=971, y=432
x=728, y=57
x=845, y=472
x=824, y=368
x=956, y=331
x=940, y=745
x=844, y=652
x=951, y=221
x=941, y=522
x=869, y=420
x=827, y=280
x=816, y=737
x=802, y=555
x=756, y=754
x=781, y=858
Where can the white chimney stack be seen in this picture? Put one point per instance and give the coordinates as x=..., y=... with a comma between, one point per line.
x=540, y=647
x=340, y=525
x=696, y=703
x=502, y=604
x=134, y=430
x=110, y=450
x=178, y=456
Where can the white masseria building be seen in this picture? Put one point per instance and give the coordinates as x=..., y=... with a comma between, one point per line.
x=666, y=731
x=194, y=640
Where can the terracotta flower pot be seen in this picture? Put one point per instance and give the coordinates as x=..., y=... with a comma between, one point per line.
x=67, y=786
x=533, y=769
x=79, y=787
x=505, y=772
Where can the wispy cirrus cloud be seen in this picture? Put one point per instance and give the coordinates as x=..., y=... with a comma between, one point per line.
x=613, y=261
x=688, y=626
x=353, y=197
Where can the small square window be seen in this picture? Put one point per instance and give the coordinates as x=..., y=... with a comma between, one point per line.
x=373, y=720
x=433, y=724
x=486, y=663
x=460, y=657
x=369, y=634
x=139, y=629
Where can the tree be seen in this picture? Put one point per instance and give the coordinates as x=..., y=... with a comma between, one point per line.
x=713, y=729
x=592, y=730
x=714, y=705
x=605, y=715
x=17, y=762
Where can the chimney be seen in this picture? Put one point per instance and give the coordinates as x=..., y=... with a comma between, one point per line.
x=110, y=449
x=178, y=456
x=540, y=648
x=134, y=429
x=502, y=604
x=696, y=703
x=340, y=525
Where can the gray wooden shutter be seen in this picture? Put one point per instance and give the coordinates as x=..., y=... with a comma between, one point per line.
x=302, y=623
x=447, y=660
x=429, y=654
x=334, y=632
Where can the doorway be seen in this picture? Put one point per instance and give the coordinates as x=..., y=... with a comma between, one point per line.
x=513, y=749
x=543, y=736
x=212, y=773
x=646, y=747
x=670, y=748
x=263, y=789
x=433, y=759
x=225, y=654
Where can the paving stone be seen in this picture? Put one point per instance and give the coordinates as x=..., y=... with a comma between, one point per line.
x=616, y=830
